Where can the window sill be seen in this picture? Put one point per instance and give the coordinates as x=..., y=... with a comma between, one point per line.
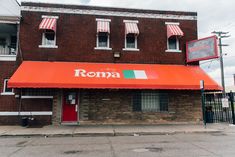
x=173, y=50
x=48, y=46
x=36, y=97
x=8, y=93
x=103, y=48
x=130, y=49
x=7, y=57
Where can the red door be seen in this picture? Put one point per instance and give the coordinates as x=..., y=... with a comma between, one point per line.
x=70, y=107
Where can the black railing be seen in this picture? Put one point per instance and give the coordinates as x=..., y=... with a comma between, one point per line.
x=214, y=110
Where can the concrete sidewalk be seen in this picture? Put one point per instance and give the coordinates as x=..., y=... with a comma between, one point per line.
x=112, y=130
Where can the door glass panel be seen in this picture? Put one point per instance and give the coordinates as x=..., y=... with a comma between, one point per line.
x=71, y=98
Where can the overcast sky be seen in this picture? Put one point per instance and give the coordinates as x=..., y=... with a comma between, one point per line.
x=213, y=15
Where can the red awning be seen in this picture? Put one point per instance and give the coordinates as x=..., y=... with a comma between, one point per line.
x=32, y=74
x=48, y=23
x=174, y=30
x=131, y=28
x=103, y=26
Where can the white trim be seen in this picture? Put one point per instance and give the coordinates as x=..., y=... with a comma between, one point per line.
x=130, y=21
x=46, y=16
x=48, y=46
x=7, y=57
x=43, y=41
x=130, y=49
x=9, y=22
x=36, y=97
x=36, y=113
x=107, y=13
x=107, y=20
x=7, y=93
x=173, y=51
x=172, y=23
x=103, y=48
x=4, y=88
x=177, y=46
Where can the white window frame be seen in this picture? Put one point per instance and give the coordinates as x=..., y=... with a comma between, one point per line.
x=103, y=48
x=97, y=37
x=177, y=39
x=4, y=89
x=136, y=38
x=43, y=35
x=177, y=46
x=48, y=46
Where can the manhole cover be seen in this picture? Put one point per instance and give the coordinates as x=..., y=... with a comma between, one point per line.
x=72, y=152
x=154, y=149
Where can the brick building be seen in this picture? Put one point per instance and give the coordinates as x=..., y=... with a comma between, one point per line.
x=96, y=65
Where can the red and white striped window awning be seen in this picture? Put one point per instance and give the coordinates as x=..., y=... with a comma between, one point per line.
x=131, y=28
x=103, y=26
x=174, y=30
x=48, y=23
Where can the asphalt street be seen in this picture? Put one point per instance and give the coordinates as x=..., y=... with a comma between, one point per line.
x=177, y=145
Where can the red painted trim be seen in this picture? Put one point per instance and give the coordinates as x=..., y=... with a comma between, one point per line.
x=204, y=58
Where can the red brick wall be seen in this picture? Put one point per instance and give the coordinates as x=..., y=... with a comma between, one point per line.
x=7, y=103
x=76, y=38
x=184, y=106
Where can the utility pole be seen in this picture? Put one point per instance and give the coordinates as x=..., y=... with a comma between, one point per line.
x=221, y=35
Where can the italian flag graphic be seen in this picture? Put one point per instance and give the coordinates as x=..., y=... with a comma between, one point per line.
x=134, y=74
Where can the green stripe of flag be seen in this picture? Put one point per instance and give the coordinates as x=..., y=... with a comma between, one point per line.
x=129, y=74
x=134, y=74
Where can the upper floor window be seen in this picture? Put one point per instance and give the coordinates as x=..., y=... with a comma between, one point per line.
x=173, y=35
x=48, y=25
x=103, y=34
x=8, y=41
x=6, y=90
x=48, y=38
x=131, y=35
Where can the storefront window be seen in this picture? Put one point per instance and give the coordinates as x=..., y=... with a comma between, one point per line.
x=150, y=101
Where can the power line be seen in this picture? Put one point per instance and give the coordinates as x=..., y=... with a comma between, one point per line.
x=221, y=35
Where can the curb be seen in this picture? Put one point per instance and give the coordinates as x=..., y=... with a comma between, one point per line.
x=108, y=134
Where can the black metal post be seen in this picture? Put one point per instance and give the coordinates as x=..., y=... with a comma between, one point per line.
x=203, y=102
x=232, y=106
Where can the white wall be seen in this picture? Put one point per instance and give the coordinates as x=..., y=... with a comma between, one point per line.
x=9, y=8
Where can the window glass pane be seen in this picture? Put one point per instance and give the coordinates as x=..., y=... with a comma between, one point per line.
x=6, y=87
x=103, y=40
x=130, y=41
x=49, y=38
x=172, y=43
x=150, y=101
x=71, y=98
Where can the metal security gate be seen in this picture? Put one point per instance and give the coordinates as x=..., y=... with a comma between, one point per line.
x=214, y=110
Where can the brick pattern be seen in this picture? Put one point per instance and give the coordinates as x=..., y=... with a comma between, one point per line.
x=76, y=39
x=108, y=106
x=80, y=33
x=57, y=108
x=7, y=103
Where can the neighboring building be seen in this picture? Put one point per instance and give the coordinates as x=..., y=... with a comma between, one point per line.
x=9, y=30
x=101, y=65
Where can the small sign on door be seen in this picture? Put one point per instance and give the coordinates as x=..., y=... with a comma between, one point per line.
x=225, y=103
